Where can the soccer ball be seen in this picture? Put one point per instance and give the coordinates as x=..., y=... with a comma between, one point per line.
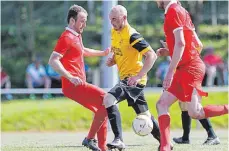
x=142, y=125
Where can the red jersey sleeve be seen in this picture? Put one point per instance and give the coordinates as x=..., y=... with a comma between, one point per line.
x=62, y=45
x=174, y=19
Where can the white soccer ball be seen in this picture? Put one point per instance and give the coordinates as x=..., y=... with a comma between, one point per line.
x=142, y=125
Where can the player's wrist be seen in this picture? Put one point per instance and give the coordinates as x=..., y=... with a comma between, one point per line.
x=69, y=76
x=140, y=75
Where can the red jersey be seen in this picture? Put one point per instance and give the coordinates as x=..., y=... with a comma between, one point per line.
x=70, y=46
x=212, y=59
x=176, y=17
x=3, y=75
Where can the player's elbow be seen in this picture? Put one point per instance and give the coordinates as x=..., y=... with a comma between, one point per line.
x=181, y=43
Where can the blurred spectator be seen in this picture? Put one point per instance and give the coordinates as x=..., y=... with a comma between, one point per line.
x=36, y=77
x=225, y=75
x=5, y=83
x=162, y=70
x=88, y=73
x=54, y=77
x=214, y=64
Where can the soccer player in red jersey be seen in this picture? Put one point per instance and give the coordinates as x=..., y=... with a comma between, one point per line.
x=186, y=70
x=68, y=60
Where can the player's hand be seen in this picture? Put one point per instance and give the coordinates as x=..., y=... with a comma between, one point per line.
x=133, y=81
x=110, y=61
x=162, y=52
x=76, y=81
x=168, y=80
x=107, y=51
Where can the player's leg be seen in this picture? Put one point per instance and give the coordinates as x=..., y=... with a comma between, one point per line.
x=212, y=138
x=99, y=124
x=92, y=101
x=165, y=101
x=186, y=125
x=197, y=111
x=115, y=95
x=102, y=136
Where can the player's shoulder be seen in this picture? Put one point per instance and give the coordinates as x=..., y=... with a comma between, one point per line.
x=176, y=9
x=66, y=35
x=134, y=34
x=130, y=31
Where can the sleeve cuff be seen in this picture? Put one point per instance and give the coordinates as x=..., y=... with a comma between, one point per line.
x=145, y=50
x=179, y=28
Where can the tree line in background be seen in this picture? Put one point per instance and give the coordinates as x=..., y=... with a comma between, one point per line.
x=32, y=27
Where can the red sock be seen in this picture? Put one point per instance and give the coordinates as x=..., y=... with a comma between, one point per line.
x=98, y=120
x=215, y=110
x=102, y=136
x=164, y=124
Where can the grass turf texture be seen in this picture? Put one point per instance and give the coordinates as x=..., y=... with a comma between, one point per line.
x=62, y=114
x=71, y=141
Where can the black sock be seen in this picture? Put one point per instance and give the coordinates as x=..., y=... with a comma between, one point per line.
x=115, y=121
x=186, y=124
x=155, y=132
x=208, y=127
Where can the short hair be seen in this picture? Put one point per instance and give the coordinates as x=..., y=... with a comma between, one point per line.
x=120, y=9
x=73, y=12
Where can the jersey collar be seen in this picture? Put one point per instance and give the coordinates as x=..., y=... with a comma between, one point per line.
x=170, y=3
x=72, y=31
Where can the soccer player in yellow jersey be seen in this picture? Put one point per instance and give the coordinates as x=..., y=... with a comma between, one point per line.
x=128, y=48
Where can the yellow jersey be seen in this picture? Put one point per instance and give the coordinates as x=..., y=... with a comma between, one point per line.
x=128, y=47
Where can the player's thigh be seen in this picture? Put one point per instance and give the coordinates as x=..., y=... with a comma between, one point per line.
x=115, y=95
x=165, y=101
x=87, y=95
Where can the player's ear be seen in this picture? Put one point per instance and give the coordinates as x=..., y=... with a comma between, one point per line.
x=72, y=20
x=124, y=17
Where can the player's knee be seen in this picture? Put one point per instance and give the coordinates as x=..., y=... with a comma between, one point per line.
x=183, y=106
x=194, y=114
x=147, y=113
x=161, y=106
x=109, y=100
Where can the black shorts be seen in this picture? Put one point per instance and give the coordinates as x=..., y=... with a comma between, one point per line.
x=133, y=94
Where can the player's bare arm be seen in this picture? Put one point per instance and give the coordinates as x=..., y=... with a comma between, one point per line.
x=150, y=58
x=177, y=54
x=88, y=52
x=111, y=61
x=54, y=62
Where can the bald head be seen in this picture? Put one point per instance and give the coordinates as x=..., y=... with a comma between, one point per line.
x=119, y=10
x=118, y=17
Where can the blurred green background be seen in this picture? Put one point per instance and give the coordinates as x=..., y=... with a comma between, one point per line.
x=62, y=114
x=32, y=27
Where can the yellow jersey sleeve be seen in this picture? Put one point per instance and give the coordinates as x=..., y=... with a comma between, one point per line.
x=139, y=43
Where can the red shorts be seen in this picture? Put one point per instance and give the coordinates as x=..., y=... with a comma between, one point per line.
x=186, y=78
x=88, y=95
